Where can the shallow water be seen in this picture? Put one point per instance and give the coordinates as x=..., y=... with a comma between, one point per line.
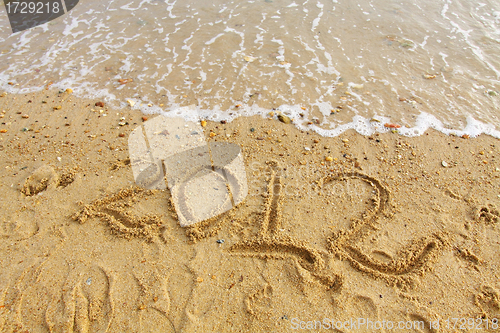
x=431, y=64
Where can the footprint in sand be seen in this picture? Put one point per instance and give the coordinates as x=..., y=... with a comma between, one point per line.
x=421, y=323
x=23, y=222
x=86, y=304
x=45, y=178
x=488, y=300
x=351, y=307
x=259, y=303
x=82, y=303
x=19, y=225
x=154, y=301
x=488, y=214
x=40, y=180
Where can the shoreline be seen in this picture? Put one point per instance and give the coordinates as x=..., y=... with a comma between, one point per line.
x=308, y=119
x=376, y=227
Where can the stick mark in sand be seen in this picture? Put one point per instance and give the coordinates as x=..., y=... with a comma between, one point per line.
x=124, y=223
x=269, y=244
x=413, y=260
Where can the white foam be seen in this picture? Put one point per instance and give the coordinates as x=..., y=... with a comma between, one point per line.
x=360, y=124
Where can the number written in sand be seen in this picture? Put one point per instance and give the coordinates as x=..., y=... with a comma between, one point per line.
x=412, y=260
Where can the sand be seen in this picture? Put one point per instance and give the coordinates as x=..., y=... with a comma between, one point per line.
x=392, y=229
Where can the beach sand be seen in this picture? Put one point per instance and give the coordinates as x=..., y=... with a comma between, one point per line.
x=391, y=229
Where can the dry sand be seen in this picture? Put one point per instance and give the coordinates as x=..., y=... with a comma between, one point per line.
x=384, y=231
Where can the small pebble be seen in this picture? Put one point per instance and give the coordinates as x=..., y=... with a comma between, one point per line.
x=249, y=58
x=144, y=118
x=121, y=135
x=444, y=164
x=100, y=104
x=284, y=119
x=252, y=129
x=220, y=241
x=328, y=158
x=3, y=130
x=124, y=81
x=57, y=107
x=25, y=116
x=130, y=102
x=345, y=140
x=212, y=134
x=203, y=123
x=69, y=90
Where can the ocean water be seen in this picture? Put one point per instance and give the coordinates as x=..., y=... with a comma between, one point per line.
x=329, y=65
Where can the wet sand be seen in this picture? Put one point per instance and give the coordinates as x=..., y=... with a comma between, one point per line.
x=381, y=228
